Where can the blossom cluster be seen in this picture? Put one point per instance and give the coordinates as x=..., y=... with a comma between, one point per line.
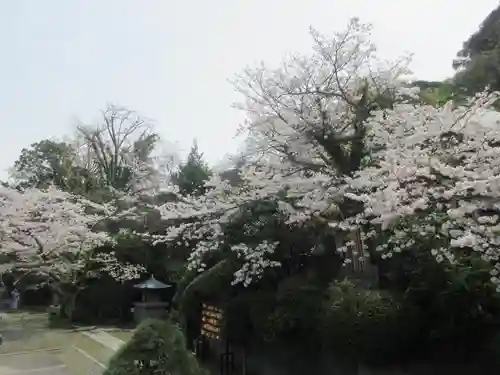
x=437, y=177
x=299, y=115
x=255, y=261
x=38, y=222
x=56, y=232
x=324, y=140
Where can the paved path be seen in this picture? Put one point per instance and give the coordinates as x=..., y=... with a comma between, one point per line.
x=105, y=339
x=29, y=333
x=34, y=363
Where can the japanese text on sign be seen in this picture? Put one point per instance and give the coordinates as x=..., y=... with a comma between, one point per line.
x=211, y=321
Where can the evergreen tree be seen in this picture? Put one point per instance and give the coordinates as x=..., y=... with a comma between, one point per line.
x=193, y=174
x=477, y=63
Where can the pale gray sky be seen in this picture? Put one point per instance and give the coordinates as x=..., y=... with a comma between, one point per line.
x=170, y=60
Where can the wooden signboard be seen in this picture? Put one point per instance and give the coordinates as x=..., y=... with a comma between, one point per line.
x=212, y=320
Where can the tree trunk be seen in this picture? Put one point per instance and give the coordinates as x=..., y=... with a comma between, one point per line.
x=56, y=296
x=70, y=304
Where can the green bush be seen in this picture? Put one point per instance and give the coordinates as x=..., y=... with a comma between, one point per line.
x=290, y=313
x=209, y=285
x=368, y=326
x=156, y=348
x=459, y=310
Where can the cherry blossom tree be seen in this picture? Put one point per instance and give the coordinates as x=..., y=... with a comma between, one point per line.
x=434, y=179
x=307, y=122
x=339, y=139
x=55, y=234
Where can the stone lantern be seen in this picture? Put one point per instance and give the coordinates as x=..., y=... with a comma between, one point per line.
x=151, y=304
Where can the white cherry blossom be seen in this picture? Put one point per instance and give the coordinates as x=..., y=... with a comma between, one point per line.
x=303, y=119
x=436, y=177
x=54, y=233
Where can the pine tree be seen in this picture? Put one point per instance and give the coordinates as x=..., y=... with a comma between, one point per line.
x=192, y=175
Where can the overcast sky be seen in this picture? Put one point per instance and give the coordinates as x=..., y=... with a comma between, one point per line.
x=63, y=60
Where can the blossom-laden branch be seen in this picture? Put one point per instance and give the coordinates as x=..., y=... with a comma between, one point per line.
x=57, y=232
x=438, y=176
x=307, y=122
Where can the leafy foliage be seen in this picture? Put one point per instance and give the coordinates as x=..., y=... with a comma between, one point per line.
x=192, y=176
x=478, y=60
x=484, y=40
x=118, y=149
x=48, y=163
x=457, y=306
x=367, y=325
x=156, y=348
x=213, y=284
x=289, y=313
x=115, y=155
x=437, y=93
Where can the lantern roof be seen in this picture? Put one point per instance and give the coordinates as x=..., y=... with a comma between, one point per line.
x=152, y=283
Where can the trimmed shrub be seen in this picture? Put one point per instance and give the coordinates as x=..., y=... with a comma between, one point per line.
x=289, y=313
x=459, y=310
x=366, y=326
x=156, y=348
x=214, y=284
